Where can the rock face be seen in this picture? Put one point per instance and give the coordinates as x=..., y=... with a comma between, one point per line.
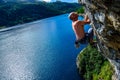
x=105, y=18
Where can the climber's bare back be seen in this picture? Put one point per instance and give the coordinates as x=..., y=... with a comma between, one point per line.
x=78, y=27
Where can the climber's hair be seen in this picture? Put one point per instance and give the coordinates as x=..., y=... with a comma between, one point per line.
x=70, y=15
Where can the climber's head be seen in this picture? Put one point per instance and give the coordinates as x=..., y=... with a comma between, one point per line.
x=73, y=16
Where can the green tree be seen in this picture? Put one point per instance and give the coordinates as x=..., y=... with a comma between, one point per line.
x=80, y=10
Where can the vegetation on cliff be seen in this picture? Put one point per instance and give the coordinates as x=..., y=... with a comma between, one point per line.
x=13, y=13
x=93, y=66
x=80, y=10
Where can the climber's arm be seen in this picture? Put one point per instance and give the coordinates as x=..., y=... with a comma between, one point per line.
x=86, y=20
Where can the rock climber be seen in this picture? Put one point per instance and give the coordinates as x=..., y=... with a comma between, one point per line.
x=78, y=28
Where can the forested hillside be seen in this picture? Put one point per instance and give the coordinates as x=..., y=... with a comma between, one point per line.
x=13, y=13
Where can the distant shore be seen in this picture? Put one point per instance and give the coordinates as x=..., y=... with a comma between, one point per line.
x=22, y=25
x=14, y=13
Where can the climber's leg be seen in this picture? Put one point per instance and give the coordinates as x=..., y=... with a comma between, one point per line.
x=77, y=45
x=90, y=35
x=81, y=41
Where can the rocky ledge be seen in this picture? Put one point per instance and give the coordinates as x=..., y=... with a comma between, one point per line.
x=105, y=18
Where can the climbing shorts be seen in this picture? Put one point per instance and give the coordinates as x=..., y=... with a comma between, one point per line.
x=87, y=37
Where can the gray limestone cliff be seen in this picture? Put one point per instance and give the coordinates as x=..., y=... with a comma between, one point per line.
x=105, y=18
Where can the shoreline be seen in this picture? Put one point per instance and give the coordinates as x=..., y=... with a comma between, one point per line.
x=18, y=26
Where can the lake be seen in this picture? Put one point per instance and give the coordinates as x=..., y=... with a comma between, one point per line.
x=40, y=50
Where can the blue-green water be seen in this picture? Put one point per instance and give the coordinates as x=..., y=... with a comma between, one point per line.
x=41, y=50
